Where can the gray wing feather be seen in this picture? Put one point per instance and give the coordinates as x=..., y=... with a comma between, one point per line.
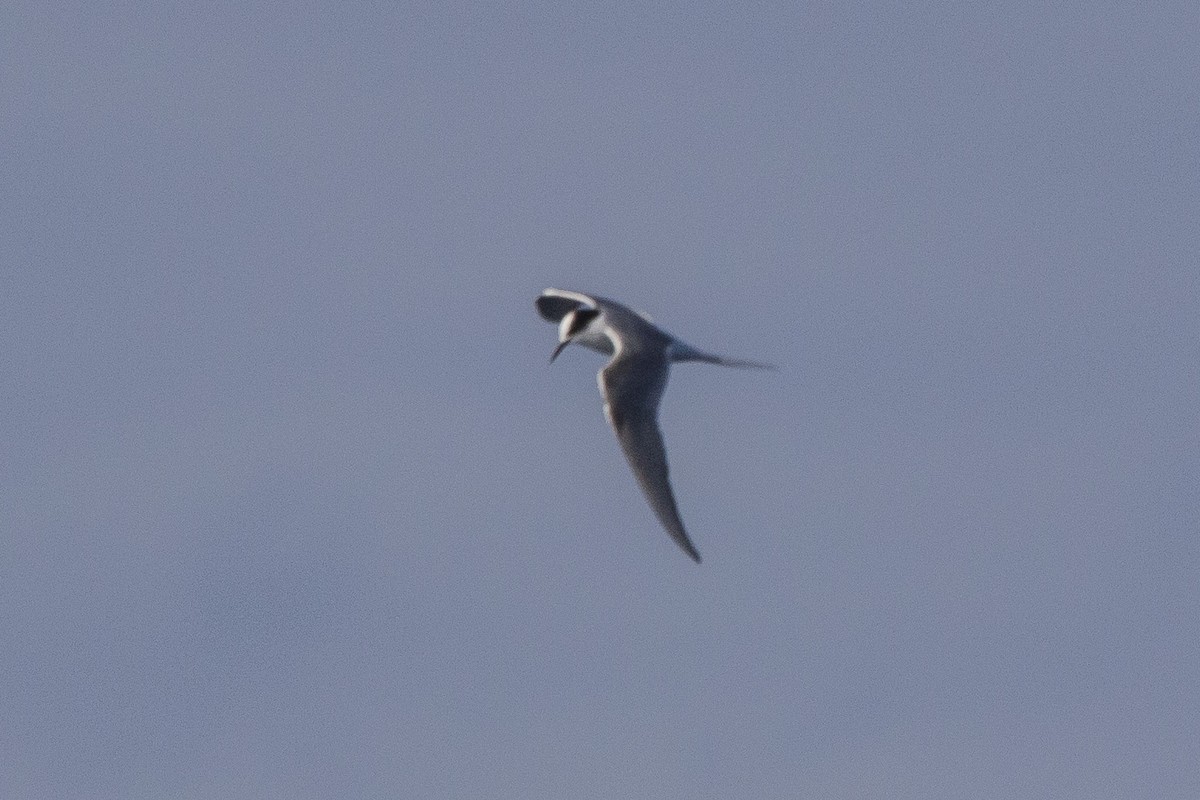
x=632, y=389
x=553, y=309
x=554, y=304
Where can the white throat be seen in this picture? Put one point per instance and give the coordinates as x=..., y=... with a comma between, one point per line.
x=595, y=336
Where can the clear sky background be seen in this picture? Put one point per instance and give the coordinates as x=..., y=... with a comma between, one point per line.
x=292, y=505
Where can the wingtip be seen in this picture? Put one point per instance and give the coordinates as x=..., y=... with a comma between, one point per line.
x=689, y=548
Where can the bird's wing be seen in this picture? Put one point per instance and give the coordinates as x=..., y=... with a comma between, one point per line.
x=632, y=388
x=554, y=304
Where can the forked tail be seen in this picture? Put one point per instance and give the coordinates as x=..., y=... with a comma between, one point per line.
x=685, y=352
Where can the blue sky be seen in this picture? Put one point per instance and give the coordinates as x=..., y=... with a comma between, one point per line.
x=294, y=507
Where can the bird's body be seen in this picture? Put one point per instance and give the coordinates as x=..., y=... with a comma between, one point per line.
x=632, y=384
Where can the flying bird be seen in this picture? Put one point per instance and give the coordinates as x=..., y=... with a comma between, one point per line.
x=632, y=384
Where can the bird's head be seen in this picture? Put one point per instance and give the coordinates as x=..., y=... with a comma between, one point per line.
x=572, y=324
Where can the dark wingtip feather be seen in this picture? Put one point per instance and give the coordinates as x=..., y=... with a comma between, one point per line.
x=553, y=308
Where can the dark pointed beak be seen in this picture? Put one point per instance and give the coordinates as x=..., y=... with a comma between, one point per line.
x=558, y=350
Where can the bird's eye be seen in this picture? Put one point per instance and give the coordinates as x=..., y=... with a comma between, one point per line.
x=582, y=319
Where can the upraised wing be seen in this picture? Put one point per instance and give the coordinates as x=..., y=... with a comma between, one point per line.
x=554, y=304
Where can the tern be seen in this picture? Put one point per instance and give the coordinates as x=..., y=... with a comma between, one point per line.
x=632, y=384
